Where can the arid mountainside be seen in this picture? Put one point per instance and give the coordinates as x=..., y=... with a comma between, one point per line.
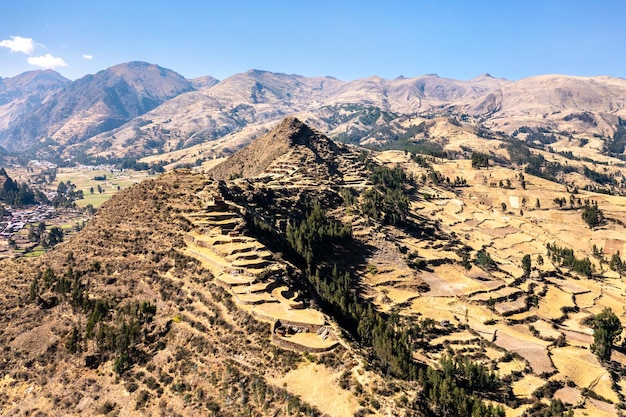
x=139, y=109
x=22, y=94
x=237, y=108
x=290, y=143
x=119, y=321
x=306, y=276
x=555, y=102
x=93, y=104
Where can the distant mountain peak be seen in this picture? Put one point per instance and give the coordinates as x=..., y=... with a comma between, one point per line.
x=110, y=98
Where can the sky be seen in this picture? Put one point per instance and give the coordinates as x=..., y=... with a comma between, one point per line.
x=348, y=40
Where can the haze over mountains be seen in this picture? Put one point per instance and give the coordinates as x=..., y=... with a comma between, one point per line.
x=137, y=109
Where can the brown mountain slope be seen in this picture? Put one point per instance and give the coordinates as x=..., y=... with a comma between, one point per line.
x=361, y=111
x=293, y=140
x=105, y=114
x=256, y=98
x=558, y=102
x=22, y=94
x=181, y=294
x=120, y=321
x=96, y=103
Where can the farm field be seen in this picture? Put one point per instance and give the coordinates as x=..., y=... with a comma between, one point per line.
x=114, y=181
x=541, y=317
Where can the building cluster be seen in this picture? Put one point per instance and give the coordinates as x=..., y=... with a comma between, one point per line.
x=17, y=219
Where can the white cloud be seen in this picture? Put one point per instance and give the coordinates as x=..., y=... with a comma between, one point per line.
x=19, y=44
x=47, y=61
x=87, y=56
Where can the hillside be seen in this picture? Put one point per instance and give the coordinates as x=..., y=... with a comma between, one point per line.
x=141, y=110
x=93, y=104
x=291, y=139
x=24, y=93
x=166, y=338
x=306, y=275
x=229, y=114
x=555, y=102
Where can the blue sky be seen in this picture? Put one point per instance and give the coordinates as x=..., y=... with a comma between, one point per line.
x=345, y=39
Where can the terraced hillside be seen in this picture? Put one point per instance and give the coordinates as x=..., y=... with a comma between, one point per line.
x=125, y=320
x=306, y=277
x=490, y=307
x=257, y=282
x=454, y=266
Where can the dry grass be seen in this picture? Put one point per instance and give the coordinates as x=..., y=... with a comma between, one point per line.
x=551, y=306
x=506, y=368
x=595, y=408
x=436, y=308
x=569, y=395
x=582, y=367
x=317, y=385
x=274, y=311
x=520, y=340
x=527, y=385
x=546, y=330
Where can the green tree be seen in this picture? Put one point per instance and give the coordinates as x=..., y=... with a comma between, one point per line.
x=55, y=236
x=480, y=160
x=592, y=215
x=73, y=343
x=606, y=331
x=484, y=260
x=616, y=263
x=559, y=202
x=526, y=265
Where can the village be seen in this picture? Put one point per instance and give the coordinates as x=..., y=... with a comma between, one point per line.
x=16, y=219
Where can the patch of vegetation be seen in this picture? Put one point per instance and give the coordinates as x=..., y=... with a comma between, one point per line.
x=453, y=390
x=565, y=257
x=615, y=146
x=310, y=237
x=607, y=329
x=422, y=147
x=18, y=195
x=480, y=160
x=520, y=154
x=120, y=334
x=591, y=214
x=598, y=177
x=387, y=201
x=555, y=408
x=484, y=260
x=67, y=194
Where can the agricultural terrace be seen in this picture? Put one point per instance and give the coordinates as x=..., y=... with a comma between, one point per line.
x=475, y=280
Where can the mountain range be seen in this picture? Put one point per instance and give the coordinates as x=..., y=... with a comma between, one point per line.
x=138, y=109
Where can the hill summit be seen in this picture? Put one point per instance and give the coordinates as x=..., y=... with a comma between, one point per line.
x=291, y=149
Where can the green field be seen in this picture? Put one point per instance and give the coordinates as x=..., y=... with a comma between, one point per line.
x=84, y=180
